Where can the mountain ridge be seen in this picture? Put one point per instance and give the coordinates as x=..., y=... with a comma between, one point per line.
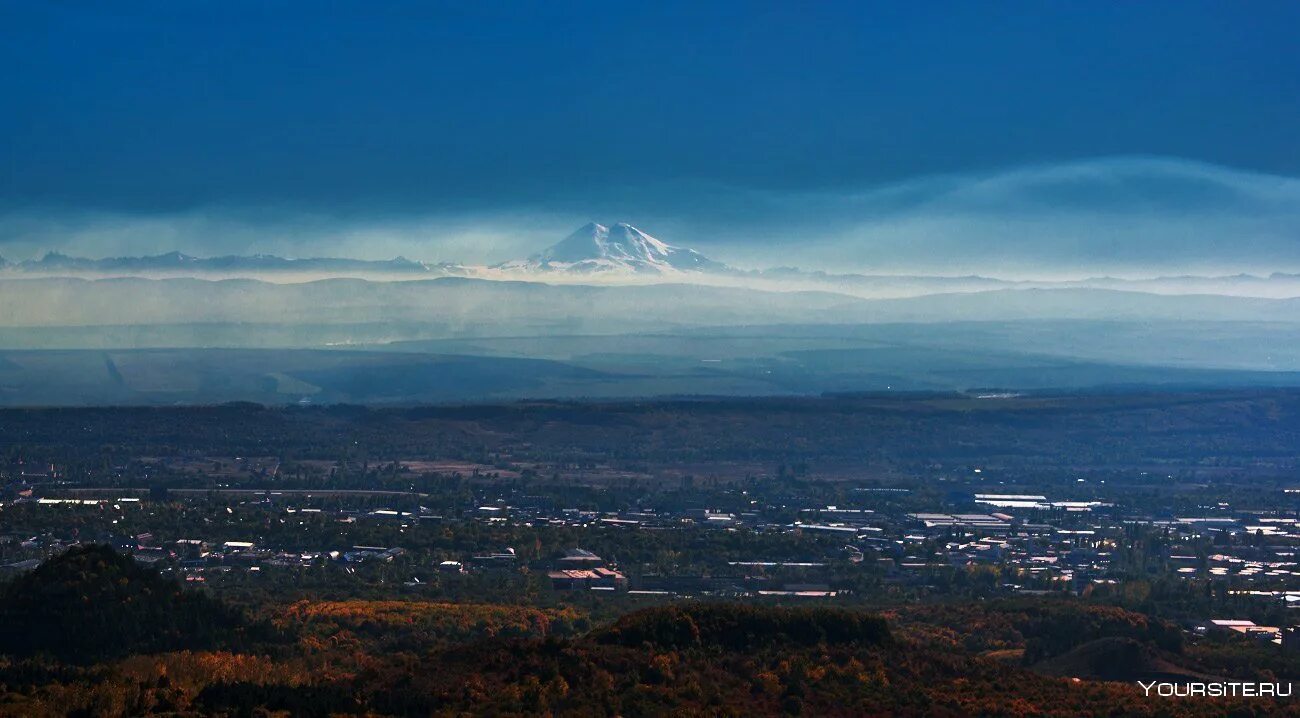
x=57, y=261
x=622, y=253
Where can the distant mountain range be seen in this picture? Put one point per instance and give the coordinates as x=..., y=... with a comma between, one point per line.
x=592, y=250
x=177, y=263
x=609, y=311
x=597, y=254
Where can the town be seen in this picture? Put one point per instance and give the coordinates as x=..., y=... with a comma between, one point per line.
x=475, y=532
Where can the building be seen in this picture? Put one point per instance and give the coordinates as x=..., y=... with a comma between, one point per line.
x=578, y=579
x=501, y=559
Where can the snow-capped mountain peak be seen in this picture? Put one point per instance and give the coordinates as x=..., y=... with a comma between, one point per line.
x=622, y=247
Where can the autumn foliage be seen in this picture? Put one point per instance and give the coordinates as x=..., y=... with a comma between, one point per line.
x=418, y=658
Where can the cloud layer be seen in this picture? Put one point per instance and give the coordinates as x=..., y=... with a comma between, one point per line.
x=1127, y=215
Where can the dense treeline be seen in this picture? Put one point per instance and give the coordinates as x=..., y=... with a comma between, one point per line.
x=1042, y=626
x=732, y=627
x=1231, y=428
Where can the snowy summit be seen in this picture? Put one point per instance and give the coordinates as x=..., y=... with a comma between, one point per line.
x=621, y=248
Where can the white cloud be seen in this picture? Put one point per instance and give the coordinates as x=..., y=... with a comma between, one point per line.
x=1118, y=215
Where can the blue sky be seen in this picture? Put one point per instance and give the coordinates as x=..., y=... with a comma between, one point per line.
x=853, y=133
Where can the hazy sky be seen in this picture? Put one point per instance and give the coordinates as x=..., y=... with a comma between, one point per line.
x=949, y=136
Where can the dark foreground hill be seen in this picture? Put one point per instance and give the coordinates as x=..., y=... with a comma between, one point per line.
x=1117, y=659
x=91, y=604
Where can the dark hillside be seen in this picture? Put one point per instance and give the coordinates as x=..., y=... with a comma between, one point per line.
x=91, y=603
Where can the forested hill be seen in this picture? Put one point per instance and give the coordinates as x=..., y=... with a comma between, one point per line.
x=90, y=604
